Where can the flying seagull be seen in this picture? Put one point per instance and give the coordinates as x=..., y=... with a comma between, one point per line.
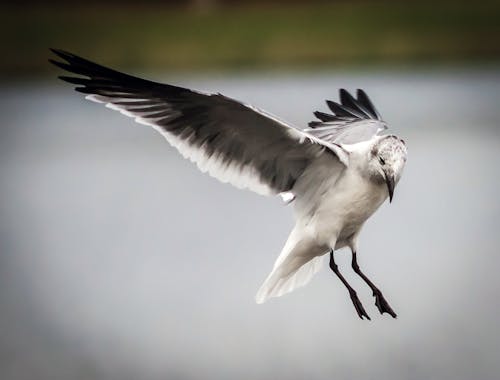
x=337, y=172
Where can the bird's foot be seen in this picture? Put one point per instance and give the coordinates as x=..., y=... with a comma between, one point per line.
x=382, y=305
x=358, y=306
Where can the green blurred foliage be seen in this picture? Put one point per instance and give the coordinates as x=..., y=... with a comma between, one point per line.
x=279, y=36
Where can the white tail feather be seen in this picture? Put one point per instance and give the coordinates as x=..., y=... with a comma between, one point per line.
x=300, y=259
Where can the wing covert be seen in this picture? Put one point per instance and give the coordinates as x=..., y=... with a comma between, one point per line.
x=233, y=142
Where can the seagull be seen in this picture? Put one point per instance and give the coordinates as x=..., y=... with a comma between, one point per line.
x=336, y=172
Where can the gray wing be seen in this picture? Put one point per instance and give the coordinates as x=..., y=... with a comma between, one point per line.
x=353, y=120
x=230, y=140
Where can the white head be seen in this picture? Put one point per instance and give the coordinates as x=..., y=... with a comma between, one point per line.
x=386, y=161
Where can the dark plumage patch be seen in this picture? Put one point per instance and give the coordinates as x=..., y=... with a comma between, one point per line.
x=324, y=116
x=348, y=110
x=221, y=127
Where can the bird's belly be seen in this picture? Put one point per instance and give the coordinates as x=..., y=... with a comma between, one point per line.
x=345, y=208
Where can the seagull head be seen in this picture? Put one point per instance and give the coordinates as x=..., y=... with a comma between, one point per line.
x=387, y=160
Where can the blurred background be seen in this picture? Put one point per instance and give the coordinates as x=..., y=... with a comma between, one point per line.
x=119, y=260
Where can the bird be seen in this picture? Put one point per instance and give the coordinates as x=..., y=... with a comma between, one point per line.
x=336, y=172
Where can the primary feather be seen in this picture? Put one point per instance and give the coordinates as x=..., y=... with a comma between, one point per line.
x=231, y=141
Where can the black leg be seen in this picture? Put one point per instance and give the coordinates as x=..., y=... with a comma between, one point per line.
x=380, y=301
x=352, y=293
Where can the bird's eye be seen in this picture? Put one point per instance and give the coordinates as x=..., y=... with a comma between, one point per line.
x=382, y=161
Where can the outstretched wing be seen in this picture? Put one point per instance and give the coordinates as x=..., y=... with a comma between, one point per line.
x=232, y=141
x=353, y=120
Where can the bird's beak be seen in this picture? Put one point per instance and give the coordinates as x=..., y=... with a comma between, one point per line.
x=389, y=180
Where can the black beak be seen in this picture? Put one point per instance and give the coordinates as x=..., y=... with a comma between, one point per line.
x=389, y=180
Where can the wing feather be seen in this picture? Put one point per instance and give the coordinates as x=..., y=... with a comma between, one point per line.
x=232, y=141
x=353, y=120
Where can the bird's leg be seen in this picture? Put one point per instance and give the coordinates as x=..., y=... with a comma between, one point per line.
x=352, y=293
x=380, y=301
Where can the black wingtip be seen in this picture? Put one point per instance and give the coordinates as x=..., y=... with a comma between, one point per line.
x=332, y=105
x=324, y=116
x=343, y=93
x=341, y=111
x=53, y=61
x=361, y=95
x=314, y=124
x=66, y=56
x=61, y=65
x=364, y=99
x=350, y=101
x=346, y=98
x=73, y=80
x=62, y=53
x=361, y=92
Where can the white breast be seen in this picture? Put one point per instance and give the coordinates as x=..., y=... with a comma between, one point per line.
x=344, y=207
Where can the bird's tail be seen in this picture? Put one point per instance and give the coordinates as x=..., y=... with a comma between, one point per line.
x=299, y=261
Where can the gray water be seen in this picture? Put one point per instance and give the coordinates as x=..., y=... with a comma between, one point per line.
x=119, y=260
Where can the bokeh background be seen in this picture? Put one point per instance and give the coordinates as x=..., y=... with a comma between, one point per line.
x=119, y=260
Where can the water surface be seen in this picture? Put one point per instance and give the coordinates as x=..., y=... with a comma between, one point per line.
x=119, y=260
